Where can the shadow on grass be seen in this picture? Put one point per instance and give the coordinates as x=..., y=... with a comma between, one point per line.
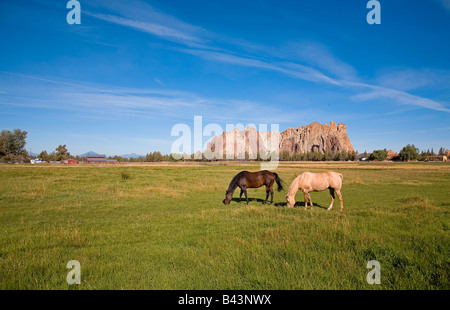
x=244, y=201
x=299, y=204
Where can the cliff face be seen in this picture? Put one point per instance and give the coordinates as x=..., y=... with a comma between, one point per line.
x=236, y=143
x=311, y=138
x=316, y=138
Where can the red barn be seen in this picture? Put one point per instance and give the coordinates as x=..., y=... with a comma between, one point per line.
x=99, y=159
x=70, y=162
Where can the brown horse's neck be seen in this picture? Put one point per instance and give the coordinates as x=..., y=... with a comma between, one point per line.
x=293, y=189
x=233, y=184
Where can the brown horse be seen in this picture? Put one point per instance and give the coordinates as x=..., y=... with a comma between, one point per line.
x=246, y=179
x=315, y=182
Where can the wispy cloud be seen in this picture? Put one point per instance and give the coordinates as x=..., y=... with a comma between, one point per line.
x=94, y=101
x=399, y=96
x=141, y=16
x=308, y=61
x=159, y=30
x=310, y=74
x=104, y=100
x=304, y=60
x=319, y=56
x=288, y=68
x=408, y=79
x=158, y=81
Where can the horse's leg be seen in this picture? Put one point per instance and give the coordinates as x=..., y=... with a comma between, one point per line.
x=240, y=195
x=245, y=193
x=271, y=191
x=305, y=196
x=332, y=198
x=310, y=201
x=338, y=192
x=267, y=194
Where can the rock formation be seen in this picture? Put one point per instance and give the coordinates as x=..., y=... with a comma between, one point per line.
x=311, y=138
x=316, y=138
x=391, y=155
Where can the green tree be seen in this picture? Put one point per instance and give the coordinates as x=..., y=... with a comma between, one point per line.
x=422, y=156
x=296, y=157
x=12, y=143
x=62, y=152
x=344, y=155
x=409, y=152
x=43, y=156
x=285, y=156
x=317, y=156
x=304, y=157
x=338, y=156
x=155, y=156
x=352, y=156
x=378, y=155
x=327, y=156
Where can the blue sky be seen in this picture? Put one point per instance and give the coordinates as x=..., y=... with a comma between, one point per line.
x=118, y=82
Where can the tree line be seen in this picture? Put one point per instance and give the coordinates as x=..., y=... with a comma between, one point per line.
x=12, y=149
x=407, y=153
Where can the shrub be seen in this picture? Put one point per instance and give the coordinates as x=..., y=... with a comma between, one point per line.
x=409, y=152
x=125, y=175
x=379, y=155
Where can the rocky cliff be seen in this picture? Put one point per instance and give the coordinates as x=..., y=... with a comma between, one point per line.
x=314, y=137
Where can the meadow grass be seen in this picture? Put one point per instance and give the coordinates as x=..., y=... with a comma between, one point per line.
x=165, y=227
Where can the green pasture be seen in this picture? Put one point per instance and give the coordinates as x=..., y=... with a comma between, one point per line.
x=165, y=227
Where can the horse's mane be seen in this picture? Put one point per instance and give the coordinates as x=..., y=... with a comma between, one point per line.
x=234, y=181
x=293, y=188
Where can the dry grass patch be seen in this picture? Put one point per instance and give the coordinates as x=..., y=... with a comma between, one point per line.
x=416, y=203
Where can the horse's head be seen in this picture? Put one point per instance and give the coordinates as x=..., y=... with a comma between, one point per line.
x=228, y=197
x=290, y=201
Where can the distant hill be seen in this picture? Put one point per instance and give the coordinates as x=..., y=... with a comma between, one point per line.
x=132, y=155
x=89, y=153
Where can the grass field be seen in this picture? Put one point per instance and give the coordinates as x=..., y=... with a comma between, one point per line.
x=165, y=227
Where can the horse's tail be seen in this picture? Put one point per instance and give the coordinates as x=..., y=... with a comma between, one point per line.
x=279, y=182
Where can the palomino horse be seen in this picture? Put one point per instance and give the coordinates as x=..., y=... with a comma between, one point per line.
x=246, y=179
x=315, y=182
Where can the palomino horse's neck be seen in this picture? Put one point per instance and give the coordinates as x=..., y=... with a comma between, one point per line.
x=293, y=189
